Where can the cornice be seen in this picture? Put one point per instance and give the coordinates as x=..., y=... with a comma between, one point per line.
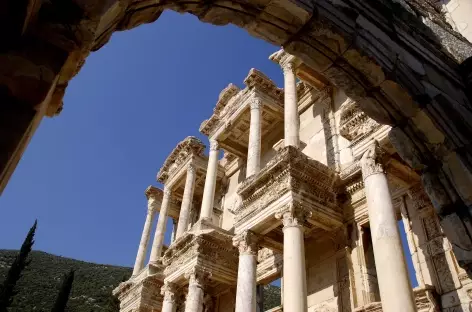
x=223, y=100
x=188, y=147
x=257, y=80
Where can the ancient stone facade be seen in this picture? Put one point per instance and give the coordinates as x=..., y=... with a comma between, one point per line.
x=309, y=189
x=406, y=64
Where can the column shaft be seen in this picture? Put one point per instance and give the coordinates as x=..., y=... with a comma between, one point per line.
x=246, y=296
x=291, y=117
x=184, y=215
x=194, y=302
x=168, y=306
x=390, y=264
x=294, y=272
x=210, y=182
x=160, y=228
x=254, y=146
x=143, y=245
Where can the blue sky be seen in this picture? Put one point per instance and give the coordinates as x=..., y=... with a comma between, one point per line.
x=84, y=174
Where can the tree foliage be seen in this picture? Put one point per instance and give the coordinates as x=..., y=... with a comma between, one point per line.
x=37, y=289
x=64, y=293
x=8, y=289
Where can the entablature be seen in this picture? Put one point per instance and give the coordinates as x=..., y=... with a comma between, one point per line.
x=205, y=247
x=290, y=178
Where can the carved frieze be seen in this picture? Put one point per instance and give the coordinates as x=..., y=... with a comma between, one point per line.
x=208, y=247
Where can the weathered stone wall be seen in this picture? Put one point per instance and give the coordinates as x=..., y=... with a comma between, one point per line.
x=431, y=252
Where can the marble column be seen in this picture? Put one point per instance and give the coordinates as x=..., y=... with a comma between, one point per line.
x=210, y=182
x=291, y=117
x=160, y=228
x=169, y=293
x=197, y=279
x=392, y=275
x=254, y=146
x=187, y=198
x=246, y=296
x=294, y=271
x=145, y=236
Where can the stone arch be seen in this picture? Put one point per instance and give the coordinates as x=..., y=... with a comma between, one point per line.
x=402, y=72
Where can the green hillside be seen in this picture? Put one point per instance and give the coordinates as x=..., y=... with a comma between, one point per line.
x=92, y=286
x=38, y=287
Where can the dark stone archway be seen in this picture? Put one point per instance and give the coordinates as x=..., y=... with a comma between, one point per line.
x=399, y=60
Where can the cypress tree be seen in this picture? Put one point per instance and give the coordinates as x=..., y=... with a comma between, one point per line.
x=64, y=292
x=7, y=289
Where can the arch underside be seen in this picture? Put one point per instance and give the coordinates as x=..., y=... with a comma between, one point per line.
x=400, y=62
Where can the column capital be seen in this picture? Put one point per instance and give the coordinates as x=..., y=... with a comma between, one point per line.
x=191, y=169
x=214, y=145
x=372, y=160
x=169, y=291
x=288, y=67
x=247, y=243
x=256, y=103
x=198, y=276
x=293, y=215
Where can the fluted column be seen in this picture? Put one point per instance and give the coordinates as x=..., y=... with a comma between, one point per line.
x=291, y=117
x=145, y=236
x=210, y=182
x=294, y=272
x=246, y=296
x=184, y=215
x=160, y=228
x=254, y=146
x=392, y=275
x=169, y=293
x=197, y=280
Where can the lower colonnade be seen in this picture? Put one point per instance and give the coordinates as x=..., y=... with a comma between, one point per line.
x=309, y=191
